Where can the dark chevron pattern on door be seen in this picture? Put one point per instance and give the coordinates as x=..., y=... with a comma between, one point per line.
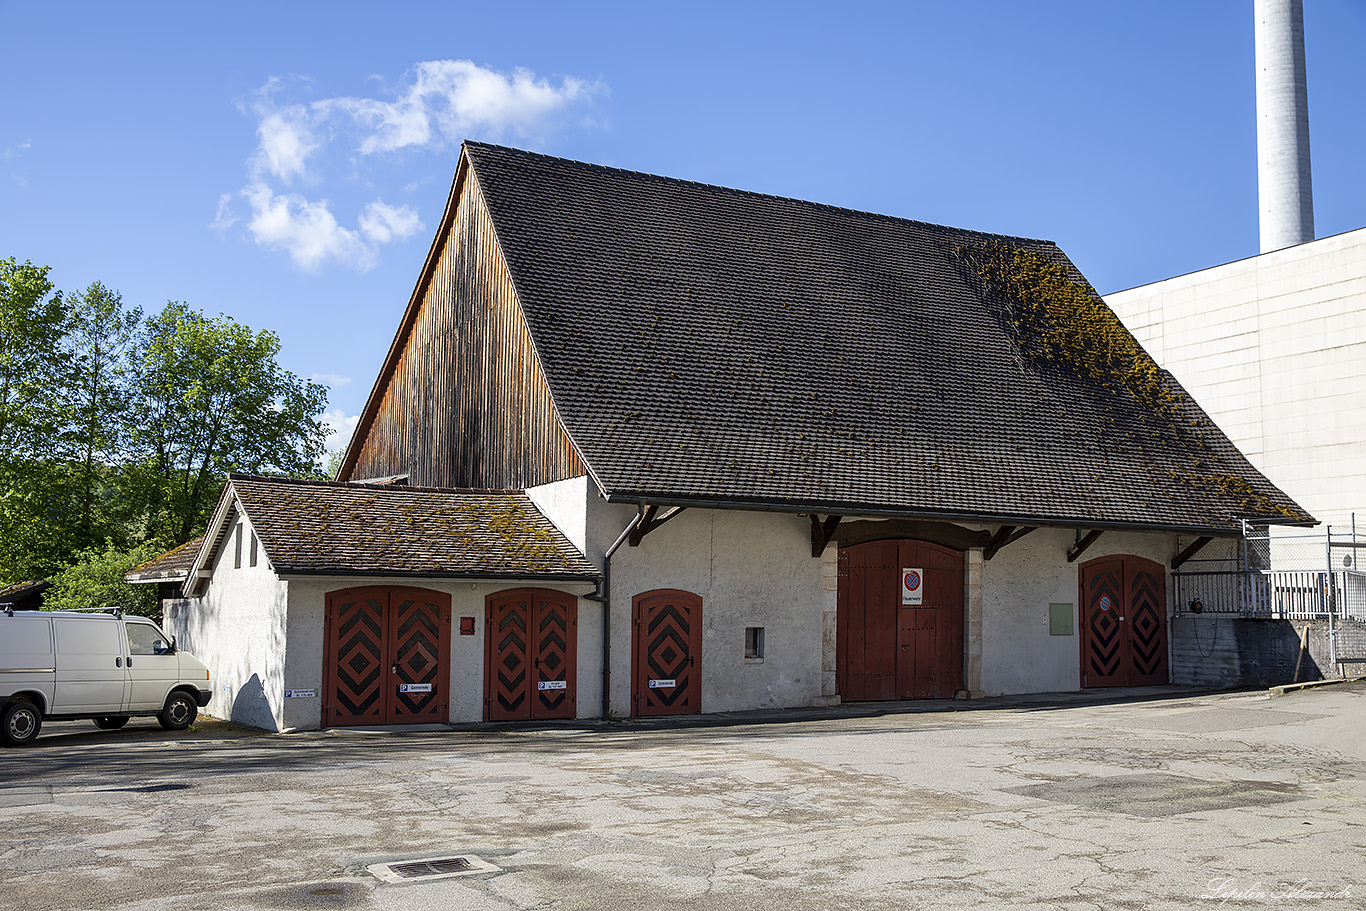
x=377, y=640
x=1147, y=625
x=417, y=650
x=1104, y=629
x=667, y=653
x=358, y=644
x=530, y=652
x=1123, y=623
x=666, y=650
x=555, y=639
x=508, y=625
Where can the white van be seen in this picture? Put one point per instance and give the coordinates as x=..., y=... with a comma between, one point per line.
x=102, y=665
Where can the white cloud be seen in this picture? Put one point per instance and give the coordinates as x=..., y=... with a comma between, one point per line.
x=330, y=380
x=440, y=102
x=342, y=426
x=449, y=98
x=224, y=218
x=286, y=141
x=382, y=223
x=16, y=151
x=307, y=230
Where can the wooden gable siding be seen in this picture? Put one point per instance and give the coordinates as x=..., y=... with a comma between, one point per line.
x=467, y=404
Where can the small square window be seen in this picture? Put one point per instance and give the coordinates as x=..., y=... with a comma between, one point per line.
x=754, y=642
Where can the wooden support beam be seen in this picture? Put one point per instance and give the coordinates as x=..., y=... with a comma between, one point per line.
x=651, y=520
x=822, y=532
x=1195, y=547
x=997, y=541
x=1080, y=547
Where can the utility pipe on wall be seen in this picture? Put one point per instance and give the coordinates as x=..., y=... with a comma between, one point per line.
x=604, y=596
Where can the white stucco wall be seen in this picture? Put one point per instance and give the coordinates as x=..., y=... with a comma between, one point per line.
x=1274, y=348
x=307, y=606
x=750, y=569
x=1018, y=655
x=238, y=630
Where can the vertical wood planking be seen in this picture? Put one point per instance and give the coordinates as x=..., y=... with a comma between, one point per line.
x=467, y=404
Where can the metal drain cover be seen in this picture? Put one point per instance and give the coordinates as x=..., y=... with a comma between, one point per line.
x=423, y=868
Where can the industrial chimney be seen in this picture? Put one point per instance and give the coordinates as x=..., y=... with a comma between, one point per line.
x=1284, y=195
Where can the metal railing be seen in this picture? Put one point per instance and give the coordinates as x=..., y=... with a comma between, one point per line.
x=1280, y=576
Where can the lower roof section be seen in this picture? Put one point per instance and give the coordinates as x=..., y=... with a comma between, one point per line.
x=329, y=528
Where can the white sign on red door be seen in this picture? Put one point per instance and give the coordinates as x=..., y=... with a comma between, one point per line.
x=913, y=586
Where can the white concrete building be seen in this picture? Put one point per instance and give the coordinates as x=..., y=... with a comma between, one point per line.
x=1274, y=348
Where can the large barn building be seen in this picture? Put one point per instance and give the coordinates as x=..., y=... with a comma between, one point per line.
x=644, y=446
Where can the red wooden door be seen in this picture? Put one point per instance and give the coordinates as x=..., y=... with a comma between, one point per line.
x=555, y=646
x=530, y=654
x=666, y=654
x=889, y=650
x=419, y=648
x=1146, y=585
x=355, y=671
x=1124, y=622
x=388, y=657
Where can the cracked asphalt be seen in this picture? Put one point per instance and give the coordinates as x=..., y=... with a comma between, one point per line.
x=1170, y=800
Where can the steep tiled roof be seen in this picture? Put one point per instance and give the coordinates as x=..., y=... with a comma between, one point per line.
x=172, y=566
x=706, y=344
x=325, y=527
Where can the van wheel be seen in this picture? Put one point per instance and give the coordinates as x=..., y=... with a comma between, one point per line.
x=20, y=722
x=179, y=713
x=111, y=722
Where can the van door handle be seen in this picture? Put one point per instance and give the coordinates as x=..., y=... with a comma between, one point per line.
x=118, y=662
x=130, y=660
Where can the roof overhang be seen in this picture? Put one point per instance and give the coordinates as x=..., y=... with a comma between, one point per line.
x=883, y=511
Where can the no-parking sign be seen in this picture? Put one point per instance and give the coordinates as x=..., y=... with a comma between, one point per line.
x=913, y=586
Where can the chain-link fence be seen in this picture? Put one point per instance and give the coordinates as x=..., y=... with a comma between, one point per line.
x=1279, y=574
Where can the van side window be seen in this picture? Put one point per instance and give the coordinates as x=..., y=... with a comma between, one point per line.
x=93, y=636
x=145, y=639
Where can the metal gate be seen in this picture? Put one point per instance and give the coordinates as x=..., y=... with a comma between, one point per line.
x=1123, y=622
x=530, y=649
x=388, y=656
x=666, y=659
x=887, y=649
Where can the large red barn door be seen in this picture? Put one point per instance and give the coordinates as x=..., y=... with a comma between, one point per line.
x=666, y=654
x=889, y=650
x=530, y=654
x=388, y=656
x=1124, y=622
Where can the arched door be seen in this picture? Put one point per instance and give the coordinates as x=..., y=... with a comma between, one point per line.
x=388, y=656
x=666, y=653
x=1123, y=622
x=899, y=629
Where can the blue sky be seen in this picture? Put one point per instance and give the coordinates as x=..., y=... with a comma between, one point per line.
x=287, y=163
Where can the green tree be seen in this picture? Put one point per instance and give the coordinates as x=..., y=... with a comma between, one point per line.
x=99, y=341
x=95, y=579
x=34, y=320
x=210, y=398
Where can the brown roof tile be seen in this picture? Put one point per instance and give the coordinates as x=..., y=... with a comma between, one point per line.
x=323, y=527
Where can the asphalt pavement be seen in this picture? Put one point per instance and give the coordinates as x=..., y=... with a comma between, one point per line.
x=1149, y=799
